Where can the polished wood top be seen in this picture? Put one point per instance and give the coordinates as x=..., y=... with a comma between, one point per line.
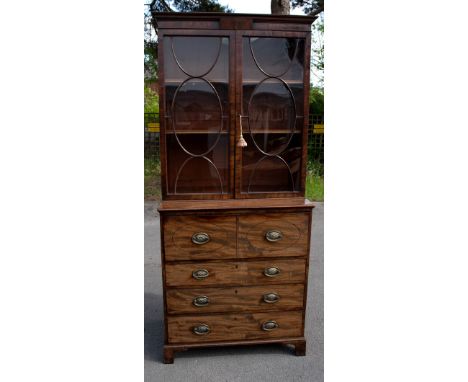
x=231, y=21
x=234, y=204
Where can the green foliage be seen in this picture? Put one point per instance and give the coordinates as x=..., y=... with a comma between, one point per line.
x=316, y=99
x=315, y=188
x=199, y=6
x=151, y=101
x=310, y=7
x=315, y=181
x=152, y=179
x=150, y=36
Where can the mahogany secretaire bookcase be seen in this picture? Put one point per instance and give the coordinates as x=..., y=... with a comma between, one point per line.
x=235, y=226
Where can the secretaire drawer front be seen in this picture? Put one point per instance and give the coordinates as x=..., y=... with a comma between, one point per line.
x=236, y=273
x=207, y=328
x=218, y=300
x=199, y=237
x=273, y=235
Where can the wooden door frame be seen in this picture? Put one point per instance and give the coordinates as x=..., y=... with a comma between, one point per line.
x=162, y=33
x=238, y=110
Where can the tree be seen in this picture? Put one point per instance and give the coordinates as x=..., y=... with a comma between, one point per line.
x=317, y=52
x=280, y=7
x=310, y=7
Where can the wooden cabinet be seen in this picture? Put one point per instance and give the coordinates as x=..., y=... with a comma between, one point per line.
x=235, y=226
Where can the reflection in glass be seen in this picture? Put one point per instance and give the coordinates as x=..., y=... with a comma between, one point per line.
x=263, y=173
x=191, y=175
x=273, y=108
x=196, y=56
x=273, y=55
x=197, y=104
x=264, y=119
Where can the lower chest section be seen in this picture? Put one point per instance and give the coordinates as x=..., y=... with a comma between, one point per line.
x=235, y=276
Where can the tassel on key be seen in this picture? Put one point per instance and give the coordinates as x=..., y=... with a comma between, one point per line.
x=241, y=142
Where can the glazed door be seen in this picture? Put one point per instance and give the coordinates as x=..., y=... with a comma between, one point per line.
x=272, y=70
x=196, y=117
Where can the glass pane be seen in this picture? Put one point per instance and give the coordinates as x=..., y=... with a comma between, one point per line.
x=273, y=55
x=191, y=174
x=197, y=109
x=196, y=55
x=271, y=127
x=272, y=109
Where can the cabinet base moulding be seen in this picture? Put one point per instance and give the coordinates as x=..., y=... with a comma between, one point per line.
x=299, y=344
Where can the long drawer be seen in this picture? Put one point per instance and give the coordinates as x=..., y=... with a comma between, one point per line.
x=201, y=274
x=246, y=326
x=251, y=298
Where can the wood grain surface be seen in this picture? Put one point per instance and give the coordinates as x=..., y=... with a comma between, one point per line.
x=233, y=204
x=236, y=273
x=234, y=326
x=235, y=299
x=178, y=231
x=253, y=229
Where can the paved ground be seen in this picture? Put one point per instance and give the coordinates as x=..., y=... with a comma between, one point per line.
x=243, y=364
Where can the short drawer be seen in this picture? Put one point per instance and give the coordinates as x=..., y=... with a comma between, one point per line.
x=207, y=328
x=273, y=235
x=269, y=271
x=199, y=237
x=251, y=298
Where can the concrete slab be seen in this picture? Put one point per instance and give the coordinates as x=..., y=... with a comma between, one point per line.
x=232, y=364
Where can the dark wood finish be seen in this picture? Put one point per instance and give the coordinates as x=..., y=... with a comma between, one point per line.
x=180, y=230
x=168, y=354
x=167, y=206
x=239, y=250
x=296, y=342
x=219, y=21
x=240, y=299
x=300, y=348
x=271, y=32
x=253, y=229
x=165, y=114
x=234, y=326
x=231, y=273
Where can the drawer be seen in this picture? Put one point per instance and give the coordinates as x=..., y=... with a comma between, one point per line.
x=199, y=237
x=236, y=273
x=246, y=326
x=252, y=298
x=273, y=235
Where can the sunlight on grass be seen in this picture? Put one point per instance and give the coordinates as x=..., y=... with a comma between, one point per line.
x=315, y=182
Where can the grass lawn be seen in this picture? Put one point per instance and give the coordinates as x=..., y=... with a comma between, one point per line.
x=152, y=179
x=314, y=187
x=314, y=181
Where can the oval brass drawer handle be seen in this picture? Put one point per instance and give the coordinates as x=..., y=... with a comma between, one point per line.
x=271, y=298
x=201, y=330
x=200, y=238
x=201, y=301
x=274, y=235
x=269, y=325
x=271, y=272
x=200, y=274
